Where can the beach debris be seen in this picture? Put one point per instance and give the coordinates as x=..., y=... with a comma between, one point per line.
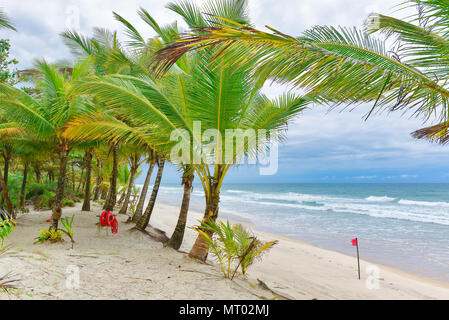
x=6, y=283
x=278, y=295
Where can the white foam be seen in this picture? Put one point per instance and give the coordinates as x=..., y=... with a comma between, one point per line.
x=379, y=199
x=423, y=203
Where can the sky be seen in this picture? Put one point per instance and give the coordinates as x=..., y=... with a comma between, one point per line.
x=323, y=146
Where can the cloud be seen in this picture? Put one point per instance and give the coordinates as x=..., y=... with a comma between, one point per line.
x=408, y=176
x=363, y=177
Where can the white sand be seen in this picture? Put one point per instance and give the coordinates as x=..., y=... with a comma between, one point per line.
x=130, y=265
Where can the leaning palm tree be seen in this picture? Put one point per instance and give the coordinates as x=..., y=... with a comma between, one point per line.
x=344, y=65
x=46, y=114
x=151, y=159
x=188, y=174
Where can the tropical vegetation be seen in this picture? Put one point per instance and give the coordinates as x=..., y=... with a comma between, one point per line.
x=83, y=131
x=232, y=245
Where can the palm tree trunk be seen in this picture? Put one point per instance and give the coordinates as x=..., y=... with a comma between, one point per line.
x=122, y=197
x=178, y=235
x=5, y=194
x=86, y=203
x=57, y=208
x=200, y=248
x=73, y=178
x=111, y=200
x=104, y=194
x=139, y=209
x=24, y=183
x=7, y=158
x=143, y=222
x=98, y=181
x=37, y=171
x=78, y=189
x=134, y=164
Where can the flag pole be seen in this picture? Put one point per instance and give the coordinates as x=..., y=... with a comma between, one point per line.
x=358, y=258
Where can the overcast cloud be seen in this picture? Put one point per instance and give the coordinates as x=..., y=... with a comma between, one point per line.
x=322, y=147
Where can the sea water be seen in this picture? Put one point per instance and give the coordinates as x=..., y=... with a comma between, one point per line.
x=400, y=225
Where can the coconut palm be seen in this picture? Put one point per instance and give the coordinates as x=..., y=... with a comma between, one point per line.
x=188, y=174
x=100, y=48
x=88, y=165
x=9, y=131
x=28, y=149
x=140, y=204
x=192, y=93
x=343, y=65
x=134, y=163
x=46, y=114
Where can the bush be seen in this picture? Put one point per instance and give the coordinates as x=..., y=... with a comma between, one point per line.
x=49, y=235
x=46, y=200
x=37, y=189
x=6, y=227
x=68, y=203
x=233, y=246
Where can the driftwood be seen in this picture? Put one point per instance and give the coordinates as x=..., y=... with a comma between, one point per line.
x=264, y=286
x=154, y=233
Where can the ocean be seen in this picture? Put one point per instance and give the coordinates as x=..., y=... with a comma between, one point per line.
x=405, y=226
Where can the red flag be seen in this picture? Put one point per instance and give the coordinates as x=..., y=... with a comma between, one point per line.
x=354, y=242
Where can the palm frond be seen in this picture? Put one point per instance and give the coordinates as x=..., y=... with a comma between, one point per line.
x=79, y=45
x=418, y=46
x=5, y=22
x=136, y=40
x=438, y=133
x=343, y=65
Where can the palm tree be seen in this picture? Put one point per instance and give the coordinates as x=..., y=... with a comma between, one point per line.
x=111, y=198
x=99, y=49
x=139, y=208
x=188, y=174
x=4, y=21
x=29, y=150
x=134, y=164
x=46, y=114
x=344, y=65
x=9, y=131
x=88, y=165
x=196, y=92
x=145, y=219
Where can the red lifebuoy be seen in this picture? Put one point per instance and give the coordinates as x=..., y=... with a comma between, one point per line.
x=109, y=218
x=114, y=227
x=102, y=222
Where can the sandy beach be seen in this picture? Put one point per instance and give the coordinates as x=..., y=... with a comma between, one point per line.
x=131, y=265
